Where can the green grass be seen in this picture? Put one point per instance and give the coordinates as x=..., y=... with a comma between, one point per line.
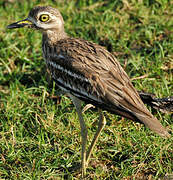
x=39, y=137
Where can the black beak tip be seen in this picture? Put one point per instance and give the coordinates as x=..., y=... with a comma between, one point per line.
x=9, y=27
x=13, y=26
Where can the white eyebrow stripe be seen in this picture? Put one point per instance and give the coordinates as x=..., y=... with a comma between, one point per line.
x=45, y=12
x=38, y=15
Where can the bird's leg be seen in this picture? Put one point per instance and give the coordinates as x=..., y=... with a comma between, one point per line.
x=84, y=132
x=101, y=124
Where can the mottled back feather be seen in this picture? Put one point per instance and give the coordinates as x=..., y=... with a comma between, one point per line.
x=89, y=72
x=102, y=76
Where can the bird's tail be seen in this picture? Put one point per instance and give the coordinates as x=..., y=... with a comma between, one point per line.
x=153, y=124
x=163, y=104
x=146, y=118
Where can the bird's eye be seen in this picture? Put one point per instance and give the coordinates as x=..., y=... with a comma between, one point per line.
x=44, y=18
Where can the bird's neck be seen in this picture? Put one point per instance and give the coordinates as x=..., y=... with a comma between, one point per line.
x=52, y=36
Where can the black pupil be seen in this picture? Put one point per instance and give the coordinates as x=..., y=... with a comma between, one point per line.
x=43, y=18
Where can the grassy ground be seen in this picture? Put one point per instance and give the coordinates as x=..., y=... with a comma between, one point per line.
x=39, y=137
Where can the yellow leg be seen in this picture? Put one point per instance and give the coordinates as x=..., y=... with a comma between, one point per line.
x=101, y=124
x=84, y=132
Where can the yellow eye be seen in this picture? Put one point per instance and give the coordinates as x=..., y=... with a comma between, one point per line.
x=44, y=18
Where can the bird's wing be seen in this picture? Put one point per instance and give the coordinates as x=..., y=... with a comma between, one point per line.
x=94, y=75
x=107, y=78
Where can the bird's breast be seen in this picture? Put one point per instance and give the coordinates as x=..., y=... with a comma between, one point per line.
x=67, y=77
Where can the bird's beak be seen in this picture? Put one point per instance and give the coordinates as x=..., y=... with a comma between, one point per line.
x=26, y=22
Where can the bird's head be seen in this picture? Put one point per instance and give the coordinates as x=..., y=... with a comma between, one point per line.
x=44, y=18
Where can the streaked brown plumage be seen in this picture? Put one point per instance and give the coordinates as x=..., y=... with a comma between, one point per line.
x=97, y=78
x=87, y=72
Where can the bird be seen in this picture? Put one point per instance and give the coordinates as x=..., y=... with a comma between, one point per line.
x=88, y=73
